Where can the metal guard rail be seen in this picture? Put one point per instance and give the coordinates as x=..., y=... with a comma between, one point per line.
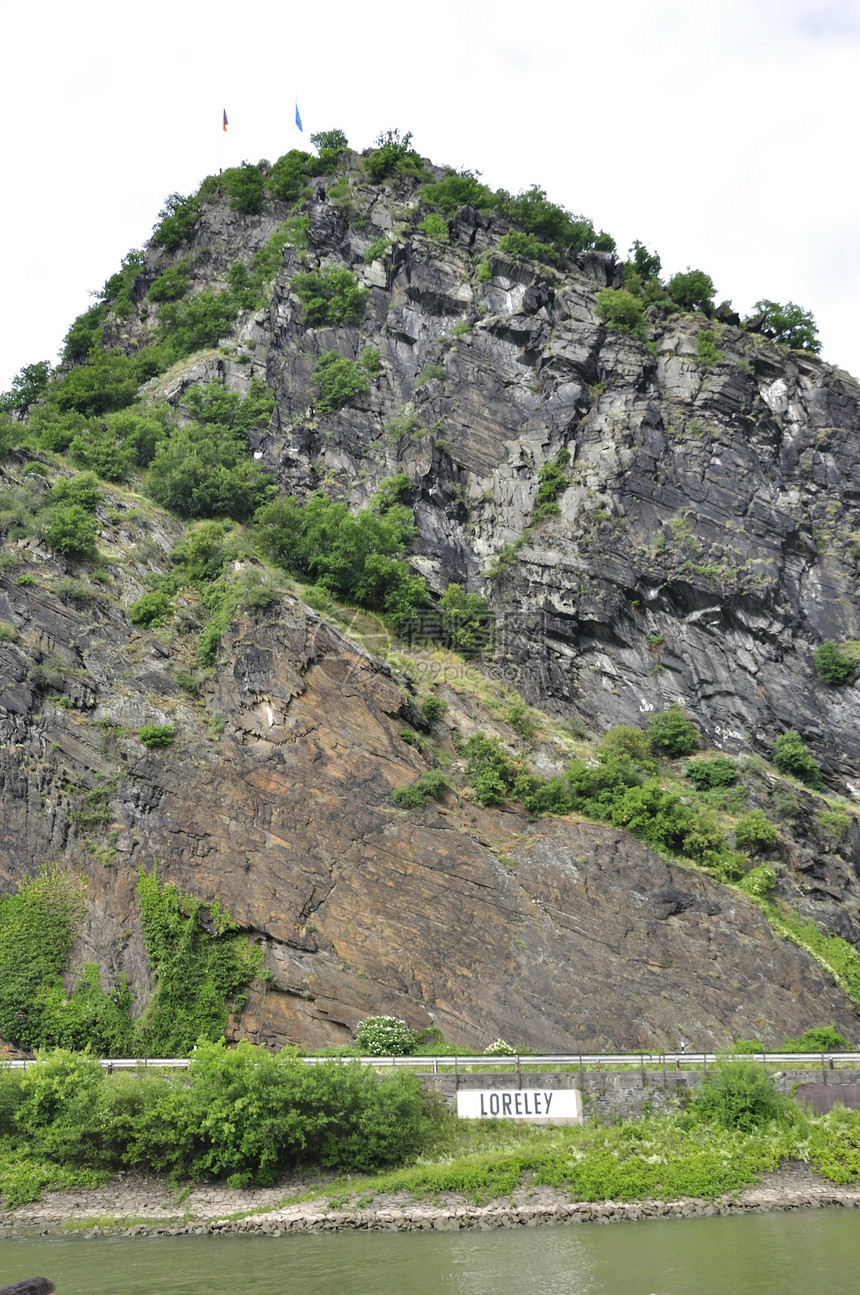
x=550, y=1062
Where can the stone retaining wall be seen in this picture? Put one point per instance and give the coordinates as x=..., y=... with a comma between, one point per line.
x=629, y=1094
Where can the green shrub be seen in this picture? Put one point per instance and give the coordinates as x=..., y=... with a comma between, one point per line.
x=692, y=290
x=176, y=222
x=627, y=743
x=197, y=323
x=269, y=258
x=242, y=1114
x=550, y=223
x=789, y=325
x=151, y=609
x=622, y=311
x=339, y=381
x=642, y=264
x=173, y=283
x=85, y=332
x=49, y=673
x=204, y=471
x=200, y=556
x=834, y=664
x=433, y=708
x=108, y=381
x=466, y=620
x=706, y=347
x=27, y=386
x=433, y=373
x=331, y=145
x=71, y=531
x=83, y=489
x=117, y=289
x=392, y=155
x=459, y=189
x=484, y=273
x=38, y=926
x=11, y=434
x=790, y=756
x=89, y=1018
x=754, y=831
x=436, y=228
x=198, y=974
x=671, y=733
x=739, y=1095
x=528, y=247
x=370, y=361
x=356, y=556
x=821, y=1038
x=215, y=404
x=655, y=816
x=705, y=843
x=136, y=434
x=553, y=480
x=489, y=770
x=376, y=250
x=521, y=719
x=544, y=795
x=99, y=451
x=707, y=774
x=384, y=1036
x=244, y=289
x=759, y=882
x=329, y=297
x=246, y=185
x=431, y=785
x=156, y=735
x=288, y=179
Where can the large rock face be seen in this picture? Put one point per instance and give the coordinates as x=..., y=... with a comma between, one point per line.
x=564, y=936
x=704, y=548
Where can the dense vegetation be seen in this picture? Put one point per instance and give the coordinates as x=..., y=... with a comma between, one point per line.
x=247, y=1115
x=244, y=1114
x=198, y=974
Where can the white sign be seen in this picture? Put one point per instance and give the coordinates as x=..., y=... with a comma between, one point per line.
x=545, y=1105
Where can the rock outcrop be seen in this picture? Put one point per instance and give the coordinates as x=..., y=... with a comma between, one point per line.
x=704, y=546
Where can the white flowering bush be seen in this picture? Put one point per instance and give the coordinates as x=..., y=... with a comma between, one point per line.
x=384, y=1036
x=498, y=1048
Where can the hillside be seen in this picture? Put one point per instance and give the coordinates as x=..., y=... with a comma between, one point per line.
x=354, y=463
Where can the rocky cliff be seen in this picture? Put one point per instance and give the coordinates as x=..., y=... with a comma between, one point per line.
x=703, y=548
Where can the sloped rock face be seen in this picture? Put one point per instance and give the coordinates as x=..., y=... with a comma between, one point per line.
x=703, y=548
x=706, y=540
x=560, y=935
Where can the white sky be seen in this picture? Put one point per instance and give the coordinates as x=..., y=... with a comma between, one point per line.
x=722, y=133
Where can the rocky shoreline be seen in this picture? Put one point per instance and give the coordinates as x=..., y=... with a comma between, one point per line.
x=138, y=1206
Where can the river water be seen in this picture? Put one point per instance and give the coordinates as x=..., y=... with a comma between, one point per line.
x=794, y=1253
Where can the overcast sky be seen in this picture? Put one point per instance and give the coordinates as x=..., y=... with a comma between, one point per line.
x=722, y=133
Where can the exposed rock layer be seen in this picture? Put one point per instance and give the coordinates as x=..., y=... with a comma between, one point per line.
x=704, y=547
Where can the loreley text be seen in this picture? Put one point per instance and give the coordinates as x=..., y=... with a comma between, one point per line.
x=547, y=1105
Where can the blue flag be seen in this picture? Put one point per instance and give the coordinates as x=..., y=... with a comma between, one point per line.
x=298, y=119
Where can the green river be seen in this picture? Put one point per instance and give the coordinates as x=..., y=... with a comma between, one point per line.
x=795, y=1253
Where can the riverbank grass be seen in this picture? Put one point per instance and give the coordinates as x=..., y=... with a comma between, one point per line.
x=246, y=1117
